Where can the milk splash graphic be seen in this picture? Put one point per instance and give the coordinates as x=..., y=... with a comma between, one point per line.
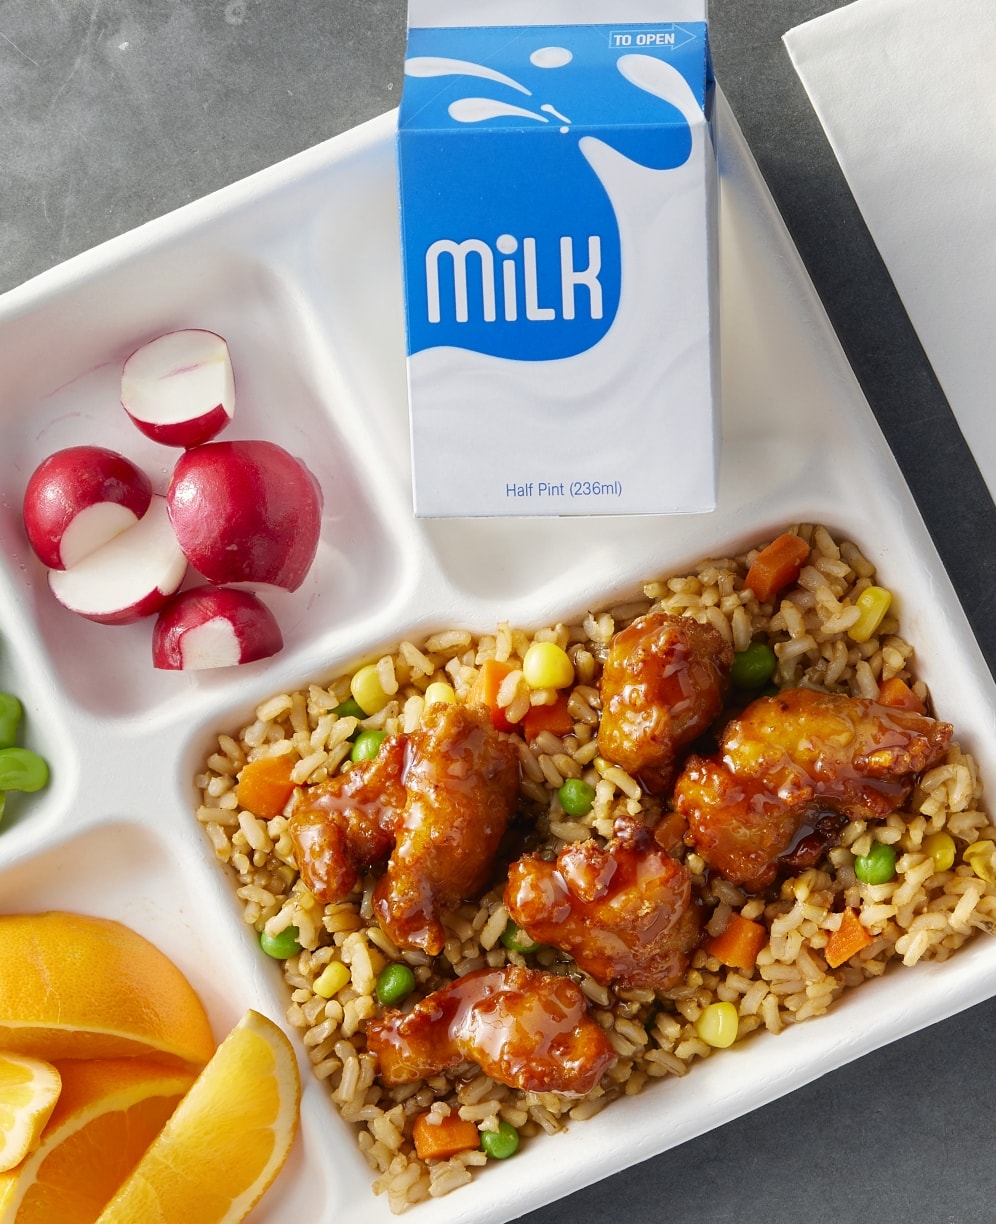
x=556, y=217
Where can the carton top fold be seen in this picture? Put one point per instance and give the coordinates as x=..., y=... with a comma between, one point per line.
x=473, y=13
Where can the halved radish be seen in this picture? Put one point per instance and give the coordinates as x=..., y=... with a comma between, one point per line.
x=246, y=512
x=179, y=388
x=80, y=498
x=131, y=576
x=210, y=626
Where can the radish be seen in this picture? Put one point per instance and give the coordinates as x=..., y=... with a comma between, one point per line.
x=210, y=626
x=80, y=498
x=179, y=389
x=246, y=512
x=129, y=577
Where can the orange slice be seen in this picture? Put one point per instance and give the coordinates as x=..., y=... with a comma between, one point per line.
x=78, y=987
x=29, y=1089
x=227, y=1140
x=107, y=1114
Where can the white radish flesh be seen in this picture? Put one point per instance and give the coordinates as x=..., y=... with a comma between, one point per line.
x=130, y=577
x=206, y=627
x=179, y=389
x=80, y=498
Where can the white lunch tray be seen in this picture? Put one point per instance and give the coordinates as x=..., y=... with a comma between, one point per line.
x=298, y=266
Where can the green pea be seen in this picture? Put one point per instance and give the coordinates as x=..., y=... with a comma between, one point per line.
x=395, y=982
x=10, y=718
x=282, y=946
x=878, y=866
x=576, y=797
x=367, y=745
x=502, y=1143
x=22, y=770
x=753, y=668
x=350, y=708
x=516, y=940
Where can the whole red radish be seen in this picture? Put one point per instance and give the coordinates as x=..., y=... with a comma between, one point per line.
x=80, y=498
x=210, y=626
x=179, y=389
x=246, y=511
x=129, y=577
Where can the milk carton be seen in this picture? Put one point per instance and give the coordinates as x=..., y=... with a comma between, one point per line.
x=558, y=218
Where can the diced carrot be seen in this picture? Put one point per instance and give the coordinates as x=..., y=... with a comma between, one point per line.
x=485, y=691
x=265, y=785
x=849, y=938
x=670, y=830
x=895, y=692
x=739, y=943
x=556, y=718
x=777, y=566
x=437, y=1140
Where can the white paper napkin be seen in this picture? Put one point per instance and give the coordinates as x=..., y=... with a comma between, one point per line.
x=906, y=91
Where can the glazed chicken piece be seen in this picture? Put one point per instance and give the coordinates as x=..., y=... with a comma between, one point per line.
x=787, y=760
x=525, y=1028
x=662, y=686
x=434, y=804
x=624, y=910
x=462, y=781
x=344, y=825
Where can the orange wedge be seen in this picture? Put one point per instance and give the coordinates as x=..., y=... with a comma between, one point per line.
x=107, y=1114
x=227, y=1140
x=78, y=987
x=29, y=1089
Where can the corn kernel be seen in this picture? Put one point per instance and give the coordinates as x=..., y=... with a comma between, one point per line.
x=547, y=665
x=873, y=602
x=941, y=848
x=440, y=692
x=981, y=857
x=331, y=980
x=367, y=691
x=718, y=1025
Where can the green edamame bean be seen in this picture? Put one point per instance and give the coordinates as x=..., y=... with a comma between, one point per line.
x=10, y=719
x=576, y=797
x=350, y=708
x=753, y=668
x=281, y=946
x=366, y=745
x=502, y=1143
x=516, y=940
x=22, y=770
x=395, y=982
x=878, y=866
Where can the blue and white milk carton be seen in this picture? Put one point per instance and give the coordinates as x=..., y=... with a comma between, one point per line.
x=558, y=218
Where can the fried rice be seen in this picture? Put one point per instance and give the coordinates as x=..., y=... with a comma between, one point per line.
x=926, y=911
